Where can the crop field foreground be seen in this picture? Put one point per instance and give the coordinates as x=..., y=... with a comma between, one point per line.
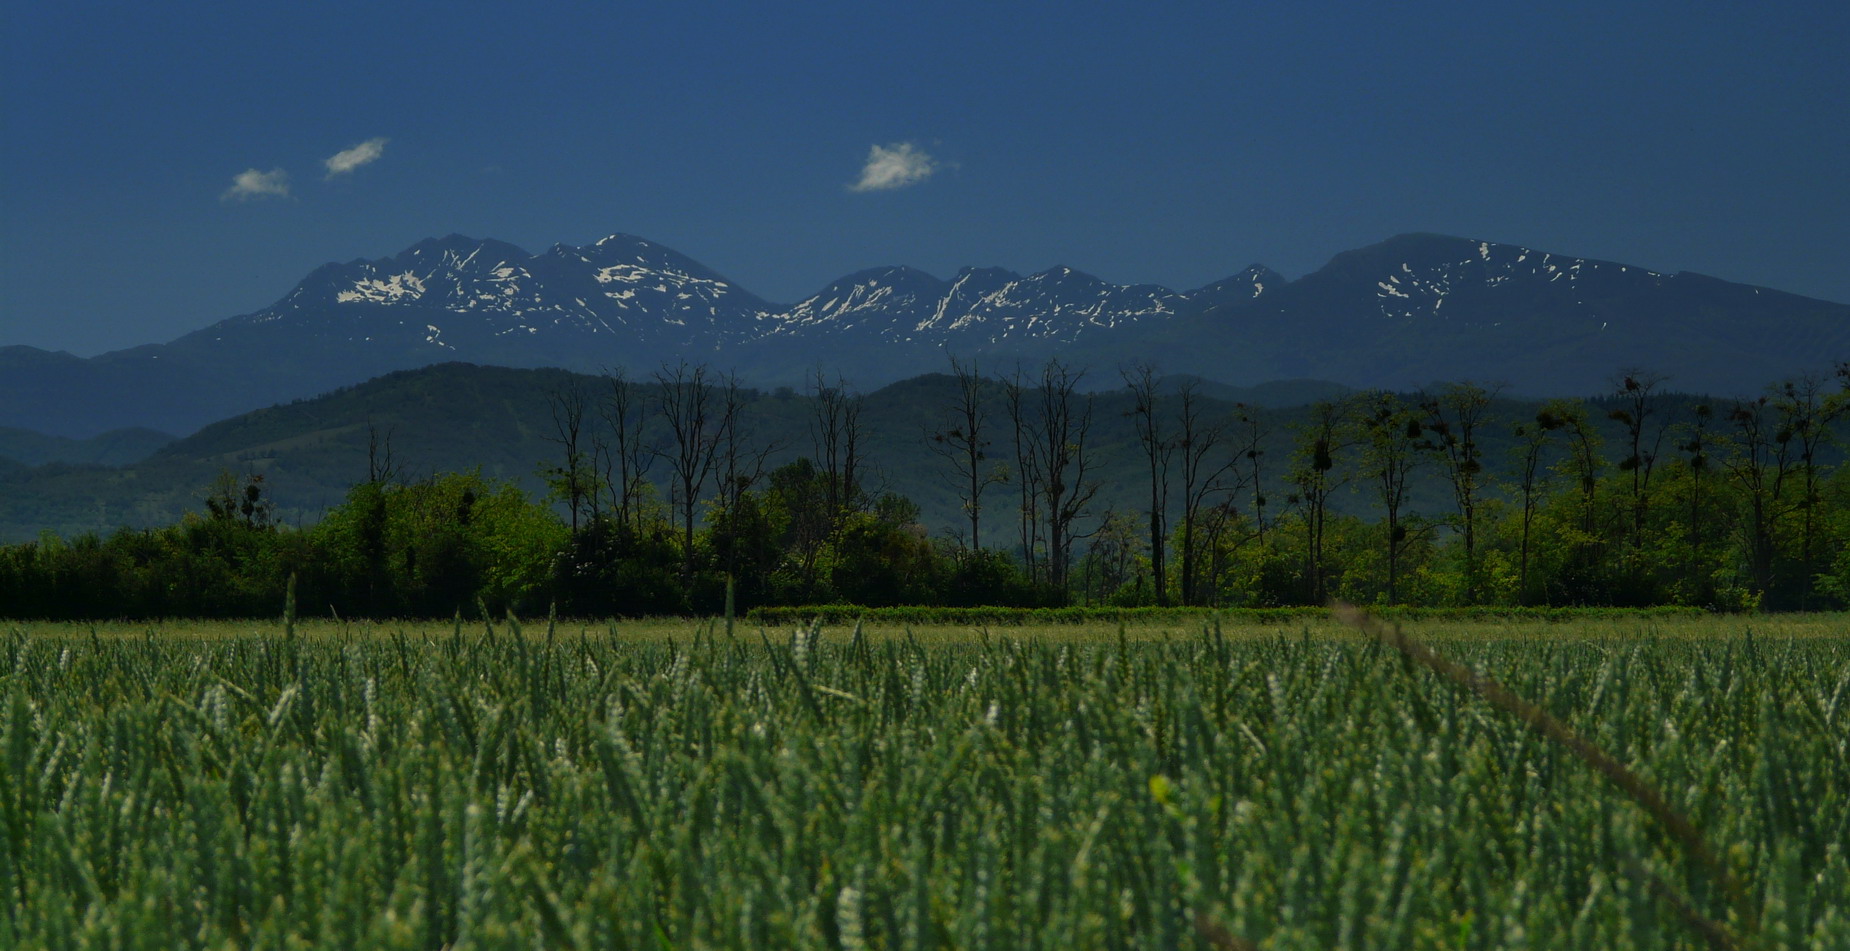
x=670, y=786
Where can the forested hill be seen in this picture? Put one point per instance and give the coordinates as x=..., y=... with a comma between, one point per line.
x=118, y=447
x=501, y=422
x=459, y=417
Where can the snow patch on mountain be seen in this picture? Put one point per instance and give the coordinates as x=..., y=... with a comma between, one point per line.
x=392, y=289
x=1417, y=288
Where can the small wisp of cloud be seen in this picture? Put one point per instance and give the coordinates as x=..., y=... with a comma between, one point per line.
x=346, y=160
x=252, y=183
x=894, y=166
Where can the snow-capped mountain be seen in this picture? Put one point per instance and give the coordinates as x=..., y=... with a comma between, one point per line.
x=987, y=307
x=629, y=290
x=1402, y=313
x=1421, y=308
x=990, y=305
x=885, y=301
x=1418, y=276
x=456, y=291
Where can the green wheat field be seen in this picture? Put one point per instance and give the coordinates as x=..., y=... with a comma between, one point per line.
x=670, y=785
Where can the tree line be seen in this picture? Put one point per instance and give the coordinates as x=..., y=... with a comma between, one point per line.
x=663, y=500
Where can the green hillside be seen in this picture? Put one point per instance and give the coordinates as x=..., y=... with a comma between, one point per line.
x=118, y=447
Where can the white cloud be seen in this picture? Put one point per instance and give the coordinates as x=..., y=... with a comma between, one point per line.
x=894, y=166
x=252, y=183
x=347, y=160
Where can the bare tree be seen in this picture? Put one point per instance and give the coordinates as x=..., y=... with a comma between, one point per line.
x=1695, y=448
x=742, y=461
x=960, y=440
x=741, y=464
x=1582, y=462
x=1108, y=557
x=371, y=507
x=1454, y=417
x=574, y=479
x=625, y=415
x=835, y=431
x=1760, y=460
x=695, y=432
x=380, y=466
x=1158, y=451
x=1316, y=477
x=1206, y=474
x=1583, y=454
x=1212, y=523
x=1249, y=456
x=1215, y=534
x=1807, y=412
x=1531, y=444
x=1027, y=470
x=1390, y=437
x=1637, y=390
x=1065, y=421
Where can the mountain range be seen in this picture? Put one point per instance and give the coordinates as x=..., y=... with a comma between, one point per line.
x=1409, y=311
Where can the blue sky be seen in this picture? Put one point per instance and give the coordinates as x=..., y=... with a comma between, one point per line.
x=1171, y=143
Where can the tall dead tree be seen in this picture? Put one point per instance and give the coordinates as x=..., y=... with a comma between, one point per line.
x=741, y=464
x=835, y=432
x=1206, y=475
x=1028, y=479
x=1455, y=416
x=960, y=439
x=574, y=479
x=1108, y=557
x=742, y=460
x=1531, y=444
x=1390, y=433
x=629, y=459
x=1808, y=413
x=1695, y=445
x=696, y=429
x=1064, y=420
x=1760, y=460
x=1158, y=452
x=1315, y=477
x=1583, y=459
x=1637, y=391
x=380, y=466
x=1249, y=456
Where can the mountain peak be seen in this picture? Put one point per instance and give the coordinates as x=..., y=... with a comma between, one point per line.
x=449, y=242
x=1238, y=289
x=630, y=250
x=886, y=274
x=988, y=273
x=1062, y=273
x=901, y=272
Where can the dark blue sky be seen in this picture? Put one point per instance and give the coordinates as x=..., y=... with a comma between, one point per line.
x=1171, y=143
